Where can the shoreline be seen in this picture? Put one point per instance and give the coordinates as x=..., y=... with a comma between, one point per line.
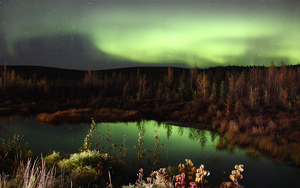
x=266, y=140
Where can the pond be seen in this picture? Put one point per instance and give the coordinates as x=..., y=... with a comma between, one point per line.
x=174, y=144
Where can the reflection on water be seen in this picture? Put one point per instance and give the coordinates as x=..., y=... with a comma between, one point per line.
x=179, y=143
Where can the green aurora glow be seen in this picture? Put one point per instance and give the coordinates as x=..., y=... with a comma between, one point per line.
x=208, y=34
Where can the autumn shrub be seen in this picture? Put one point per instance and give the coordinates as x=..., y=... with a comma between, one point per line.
x=283, y=124
x=233, y=127
x=244, y=139
x=259, y=121
x=235, y=176
x=271, y=127
x=257, y=130
x=245, y=123
x=223, y=127
x=188, y=176
x=266, y=143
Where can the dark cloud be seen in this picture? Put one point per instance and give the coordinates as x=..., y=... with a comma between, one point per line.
x=63, y=51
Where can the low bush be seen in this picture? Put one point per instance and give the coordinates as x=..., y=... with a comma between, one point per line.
x=52, y=159
x=85, y=158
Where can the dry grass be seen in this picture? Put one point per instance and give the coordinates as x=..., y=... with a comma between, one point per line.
x=71, y=115
x=271, y=127
x=31, y=175
x=85, y=115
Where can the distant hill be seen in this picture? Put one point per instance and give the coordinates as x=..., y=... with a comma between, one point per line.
x=57, y=73
x=155, y=72
x=52, y=73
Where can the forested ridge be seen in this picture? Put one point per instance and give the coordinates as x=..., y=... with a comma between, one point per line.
x=231, y=98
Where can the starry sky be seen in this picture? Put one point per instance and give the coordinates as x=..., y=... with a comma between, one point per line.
x=105, y=34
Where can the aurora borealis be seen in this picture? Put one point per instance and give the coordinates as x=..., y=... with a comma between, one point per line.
x=114, y=34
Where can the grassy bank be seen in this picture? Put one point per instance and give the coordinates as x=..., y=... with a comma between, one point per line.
x=85, y=115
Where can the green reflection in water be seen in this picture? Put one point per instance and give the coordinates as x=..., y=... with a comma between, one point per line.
x=179, y=143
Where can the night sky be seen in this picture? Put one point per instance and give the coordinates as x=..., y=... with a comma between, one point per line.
x=83, y=34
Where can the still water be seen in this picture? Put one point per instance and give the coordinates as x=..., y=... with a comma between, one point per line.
x=176, y=143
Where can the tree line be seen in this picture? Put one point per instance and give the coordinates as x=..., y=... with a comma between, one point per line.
x=233, y=89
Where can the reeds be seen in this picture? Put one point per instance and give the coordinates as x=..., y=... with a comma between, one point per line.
x=3, y=180
x=36, y=175
x=30, y=175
